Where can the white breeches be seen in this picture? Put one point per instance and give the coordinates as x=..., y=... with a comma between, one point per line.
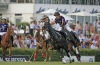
x=57, y=27
x=68, y=28
x=2, y=33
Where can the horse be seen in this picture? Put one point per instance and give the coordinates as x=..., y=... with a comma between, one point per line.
x=58, y=41
x=41, y=44
x=6, y=42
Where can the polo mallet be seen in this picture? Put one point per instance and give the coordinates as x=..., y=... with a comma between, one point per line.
x=30, y=58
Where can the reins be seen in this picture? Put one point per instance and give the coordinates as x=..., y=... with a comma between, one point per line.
x=40, y=41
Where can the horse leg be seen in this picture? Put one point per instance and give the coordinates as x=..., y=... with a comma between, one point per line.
x=61, y=54
x=76, y=52
x=10, y=49
x=46, y=53
x=68, y=54
x=50, y=54
x=42, y=53
x=34, y=55
x=78, y=55
x=4, y=52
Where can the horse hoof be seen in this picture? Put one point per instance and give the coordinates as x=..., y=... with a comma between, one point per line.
x=49, y=59
x=45, y=60
x=34, y=59
x=73, y=60
x=79, y=61
x=78, y=57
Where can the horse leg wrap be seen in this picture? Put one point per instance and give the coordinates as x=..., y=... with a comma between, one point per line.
x=77, y=51
x=43, y=55
x=34, y=56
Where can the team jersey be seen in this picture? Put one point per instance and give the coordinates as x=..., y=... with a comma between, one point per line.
x=3, y=27
x=62, y=19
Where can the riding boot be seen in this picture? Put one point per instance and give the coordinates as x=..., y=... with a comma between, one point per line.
x=75, y=36
x=65, y=35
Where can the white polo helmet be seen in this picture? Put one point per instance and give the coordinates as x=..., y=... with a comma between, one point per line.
x=4, y=18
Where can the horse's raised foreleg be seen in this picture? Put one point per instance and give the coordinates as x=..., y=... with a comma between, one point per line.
x=4, y=52
x=10, y=49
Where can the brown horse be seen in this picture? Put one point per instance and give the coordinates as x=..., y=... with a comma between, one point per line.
x=6, y=42
x=41, y=45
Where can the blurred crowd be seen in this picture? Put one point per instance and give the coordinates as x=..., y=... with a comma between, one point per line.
x=89, y=35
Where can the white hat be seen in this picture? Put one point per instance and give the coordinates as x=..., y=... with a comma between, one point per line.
x=3, y=18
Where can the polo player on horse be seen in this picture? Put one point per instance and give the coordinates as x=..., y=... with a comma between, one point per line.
x=59, y=25
x=3, y=27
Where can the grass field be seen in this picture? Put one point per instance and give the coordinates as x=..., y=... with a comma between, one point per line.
x=48, y=63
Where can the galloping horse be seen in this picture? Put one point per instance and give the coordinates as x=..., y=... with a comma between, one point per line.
x=59, y=41
x=6, y=42
x=41, y=45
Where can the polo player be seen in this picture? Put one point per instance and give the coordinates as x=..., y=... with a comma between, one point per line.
x=3, y=27
x=59, y=24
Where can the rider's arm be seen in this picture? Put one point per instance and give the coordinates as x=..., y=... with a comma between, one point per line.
x=63, y=21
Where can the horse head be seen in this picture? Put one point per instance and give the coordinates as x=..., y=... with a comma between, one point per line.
x=52, y=32
x=36, y=33
x=47, y=26
x=10, y=30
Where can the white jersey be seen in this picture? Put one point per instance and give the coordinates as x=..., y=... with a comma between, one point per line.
x=2, y=33
x=55, y=26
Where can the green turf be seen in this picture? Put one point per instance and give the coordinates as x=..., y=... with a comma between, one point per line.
x=48, y=63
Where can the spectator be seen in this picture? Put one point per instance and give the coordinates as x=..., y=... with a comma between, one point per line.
x=36, y=26
x=86, y=29
x=22, y=41
x=92, y=29
x=27, y=41
x=78, y=28
x=31, y=27
x=94, y=42
x=26, y=30
x=98, y=27
x=82, y=40
x=33, y=43
x=13, y=26
x=95, y=25
x=16, y=41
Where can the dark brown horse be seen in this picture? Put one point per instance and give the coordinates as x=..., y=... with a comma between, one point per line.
x=41, y=44
x=6, y=42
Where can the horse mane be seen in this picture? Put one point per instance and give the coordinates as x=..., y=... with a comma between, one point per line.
x=51, y=30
